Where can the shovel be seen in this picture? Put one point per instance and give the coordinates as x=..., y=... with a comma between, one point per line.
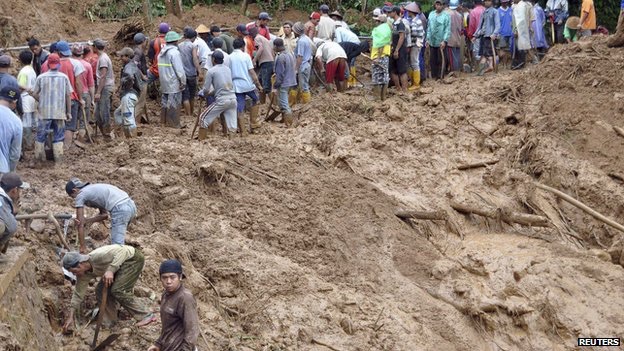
x=443, y=63
x=494, y=57
x=271, y=114
x=86, y=124
x=111, y=338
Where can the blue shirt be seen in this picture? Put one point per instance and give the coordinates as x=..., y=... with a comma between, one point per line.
x=505, y=21
x=10, y=139
x=240, y=64
x=285, y=70
x=304, y=49
x=490, y=23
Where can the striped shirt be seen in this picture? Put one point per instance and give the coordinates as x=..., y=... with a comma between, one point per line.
x=53, y=88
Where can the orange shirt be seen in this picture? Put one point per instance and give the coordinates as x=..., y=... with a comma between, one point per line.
x=590, y=21
x=250, y=46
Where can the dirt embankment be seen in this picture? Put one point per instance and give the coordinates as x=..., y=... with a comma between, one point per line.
x=290, y=237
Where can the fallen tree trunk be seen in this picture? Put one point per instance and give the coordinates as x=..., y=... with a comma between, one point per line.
x=505, y=215
x=582, y=206
x=477, y=165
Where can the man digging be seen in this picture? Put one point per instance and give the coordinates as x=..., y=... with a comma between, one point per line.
x=108, y=199
x=120, y=267
x=178, y=312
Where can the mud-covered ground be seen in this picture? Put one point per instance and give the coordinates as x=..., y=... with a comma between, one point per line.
x=290, y=238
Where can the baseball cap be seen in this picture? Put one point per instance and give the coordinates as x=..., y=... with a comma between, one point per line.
x=5, y=61
x=241, y=28
x=63, y=47
x=9, y=94
x=72, y=259
x=99, y=43
x=315, y=15
x=453, y=4
x=376, y=13
x=170, y=266
x=74, y=183
x=386, y=9
x=12, y=180
x=298, y=28
x=54, y=61
x=324, y=8
x=264, y=16
x=163, y=28
x=77, y=49
x=139, y=38
x=202, y=29
x=126, y=52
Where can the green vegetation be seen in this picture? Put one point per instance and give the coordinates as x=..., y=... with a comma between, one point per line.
x=607, y=10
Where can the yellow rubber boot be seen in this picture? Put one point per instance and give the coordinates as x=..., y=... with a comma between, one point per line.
x=292, y=97
x=305, y=97
x=415, y=80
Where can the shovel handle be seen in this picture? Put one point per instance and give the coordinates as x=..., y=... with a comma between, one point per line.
x=100, y=314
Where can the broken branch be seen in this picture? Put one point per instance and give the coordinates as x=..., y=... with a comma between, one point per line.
x=582, y=206
x=59, y=231
x=477, y=165
x=505, y=215
x=425, y=215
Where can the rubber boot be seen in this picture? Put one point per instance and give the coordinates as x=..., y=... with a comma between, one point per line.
x=57, y=150
x=203, y=133
x=306, y=96
x=262, y=97
x=292, y=97
x=28, y=139
x=163, y=116
x=384, y=92
x=253, y=117
x=287, y=117
x=482, y=67
x=69, y=136
x=415, y=80
x=242, y=126
x=40, y=151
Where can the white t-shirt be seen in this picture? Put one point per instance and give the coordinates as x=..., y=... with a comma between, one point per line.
x=330, y=51
x=26, y=79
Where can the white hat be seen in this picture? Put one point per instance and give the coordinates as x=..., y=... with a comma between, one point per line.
x=376, y=13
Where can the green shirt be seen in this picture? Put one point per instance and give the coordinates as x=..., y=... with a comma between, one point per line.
x=569, y=33
x=105, y=258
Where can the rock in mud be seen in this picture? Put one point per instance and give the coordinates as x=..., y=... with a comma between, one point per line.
x=37, y=225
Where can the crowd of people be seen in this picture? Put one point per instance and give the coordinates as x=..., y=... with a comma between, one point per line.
x=58, y=93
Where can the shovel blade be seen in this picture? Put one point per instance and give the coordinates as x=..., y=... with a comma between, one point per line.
x=109, y=340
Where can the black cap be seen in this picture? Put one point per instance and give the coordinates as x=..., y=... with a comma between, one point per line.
x=170, y=266
x=9, y=94
x=74, y=183
x=215, y=29
x=189, y=33
x=12, y=180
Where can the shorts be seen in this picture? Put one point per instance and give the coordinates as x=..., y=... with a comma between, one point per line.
x=190, y=89
x=240, y=100
x=335, y=70
x=399, y=65
x=125, y=113
x=485, y=47
x=76, y=117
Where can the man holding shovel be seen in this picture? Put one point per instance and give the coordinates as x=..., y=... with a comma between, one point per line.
x=178, y=311
x=108, y=199
x=120, y=267
x=438, y=35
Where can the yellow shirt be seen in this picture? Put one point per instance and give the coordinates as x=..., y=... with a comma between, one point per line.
x=590, y=21
x=381, y=52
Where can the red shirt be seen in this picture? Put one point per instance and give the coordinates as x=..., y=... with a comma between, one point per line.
x=264, y=31
x=154, y=50
x=66, y=68
x=92, y=59
x=474, y=17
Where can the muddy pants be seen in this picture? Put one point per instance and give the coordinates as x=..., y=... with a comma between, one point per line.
x=103, y=107
x=122, y=290
x=141, y=105
x=435, y=61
